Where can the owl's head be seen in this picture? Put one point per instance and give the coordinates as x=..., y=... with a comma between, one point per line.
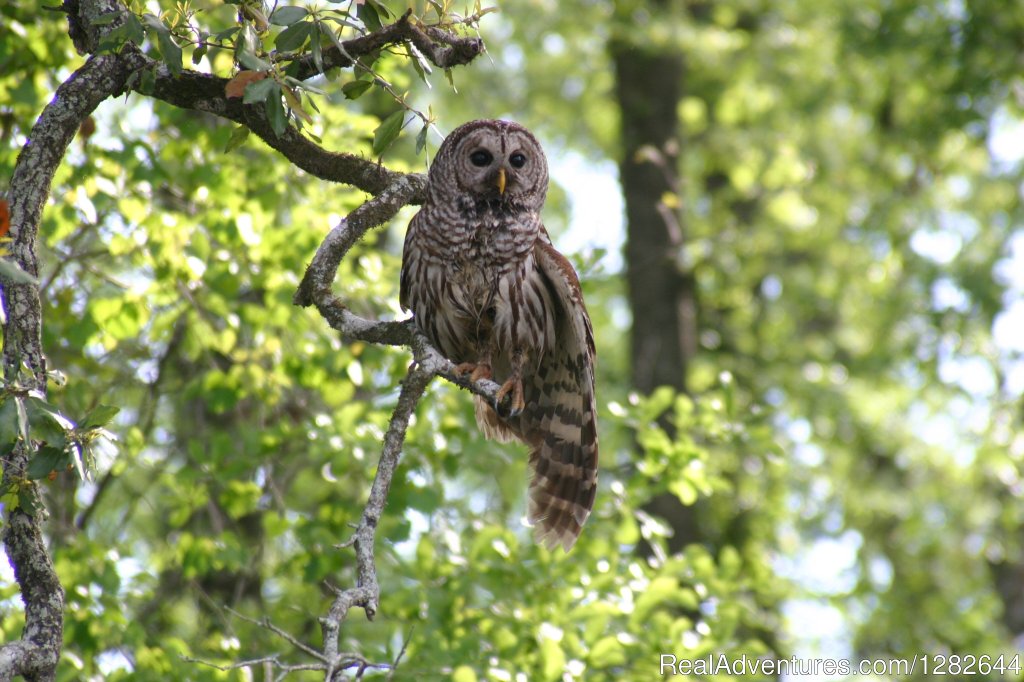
x=493, y=160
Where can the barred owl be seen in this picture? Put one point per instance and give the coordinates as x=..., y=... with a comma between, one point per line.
x=489, y=291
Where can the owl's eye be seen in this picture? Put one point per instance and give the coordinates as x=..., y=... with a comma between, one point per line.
x=518, y=160
x=480, y=158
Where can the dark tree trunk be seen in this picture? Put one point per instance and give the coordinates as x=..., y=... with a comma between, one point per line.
x=649, y=86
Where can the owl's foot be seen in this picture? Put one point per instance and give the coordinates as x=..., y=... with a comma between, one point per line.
x=475, y=370
x=513, y=386
x=512, y=389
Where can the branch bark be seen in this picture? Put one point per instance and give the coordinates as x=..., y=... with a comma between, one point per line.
x=35, y=656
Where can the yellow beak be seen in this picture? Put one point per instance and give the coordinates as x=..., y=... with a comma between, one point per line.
x=501, y=181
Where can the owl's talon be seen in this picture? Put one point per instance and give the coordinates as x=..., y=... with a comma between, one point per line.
x=482, y=371
x=464, y=368
x=516, y=403
x=475, y=370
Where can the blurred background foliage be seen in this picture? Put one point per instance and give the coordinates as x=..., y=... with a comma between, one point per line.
x=840, y=443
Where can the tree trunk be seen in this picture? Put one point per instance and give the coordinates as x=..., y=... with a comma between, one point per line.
x=649, y=86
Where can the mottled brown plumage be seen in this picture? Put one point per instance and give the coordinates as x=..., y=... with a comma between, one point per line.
x=490, y=292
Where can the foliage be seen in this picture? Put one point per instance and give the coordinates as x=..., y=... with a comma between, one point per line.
x=849, y=388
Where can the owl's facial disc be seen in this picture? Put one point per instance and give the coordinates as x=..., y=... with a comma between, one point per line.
x=501, y=163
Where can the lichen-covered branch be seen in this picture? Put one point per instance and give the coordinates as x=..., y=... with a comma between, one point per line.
x=35, y=656
x=442, y=48
x=207, y=93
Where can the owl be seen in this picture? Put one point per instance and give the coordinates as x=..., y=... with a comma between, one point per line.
x=490, y=292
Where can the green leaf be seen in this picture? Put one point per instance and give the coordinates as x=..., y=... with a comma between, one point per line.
x=420, y=64
x=355, y=89
x=46, y=460
x=8, y=422
x=259, y=91
x=22, y=420
x=153, y=22
x=240, y=498
x=226, y=35
x=99, y=416
x=198, y=54
x=421, y=138
x=463, y=674
x=293, y=37
x=130, y=31
x=607, y=652
x=656, y=403
x=28, y=500
x=238, y=136
x=170, y=51
x=425, y=499
x=147, y=81
x=367, y=13
x=552, y=659
x=14, y=274
x=250, y=61
x=135, y=32
x=684, y=490
x=419, y=72
x=286, y=16
x=317, y=48
x=382, y=9
x=47, y=424
x=387, y=132
x=275, y=111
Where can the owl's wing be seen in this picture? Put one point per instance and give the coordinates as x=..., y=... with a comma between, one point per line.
x=560, y=419
x=409, y=254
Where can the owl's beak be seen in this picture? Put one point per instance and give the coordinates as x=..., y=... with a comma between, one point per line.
x=501, y=181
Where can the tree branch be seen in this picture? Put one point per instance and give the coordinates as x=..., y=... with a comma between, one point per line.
x=443, y=48
x=315, y=289
x=35, y=656
x=206, y=92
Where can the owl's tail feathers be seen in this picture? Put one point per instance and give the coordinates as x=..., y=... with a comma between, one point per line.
x=564, y=479
x=563, y=486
